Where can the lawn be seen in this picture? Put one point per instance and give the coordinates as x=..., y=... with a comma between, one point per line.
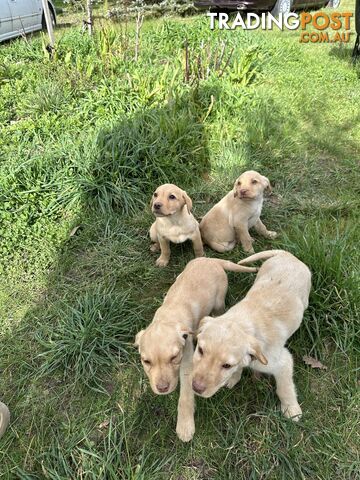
x=84, y=139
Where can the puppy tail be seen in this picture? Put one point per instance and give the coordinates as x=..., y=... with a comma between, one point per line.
x=233, y=267
x=262, y=256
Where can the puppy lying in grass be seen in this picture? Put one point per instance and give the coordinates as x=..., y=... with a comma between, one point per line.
x=229, y=221
x=174, y=222
x=4, y=418
x=254, y=331
x=166, y=346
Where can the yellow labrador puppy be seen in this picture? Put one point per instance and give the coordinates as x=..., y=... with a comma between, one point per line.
x=4, y=418
x=166, y=346
x=229, y=221
x=253, y=332
x=174, y=222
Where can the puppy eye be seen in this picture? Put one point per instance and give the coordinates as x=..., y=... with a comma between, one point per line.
x=254, y=181
x=226, y=366
x=147, y=362
x=252, y=357
x=239, y=183
x=155, y=195
x=173, y=358
x=172, y=197
x=201, y=351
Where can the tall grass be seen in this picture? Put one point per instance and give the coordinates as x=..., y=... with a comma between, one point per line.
x=100, y=454
x=88, y=338
x=84, y=138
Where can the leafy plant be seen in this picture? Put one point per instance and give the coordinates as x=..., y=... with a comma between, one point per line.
x=89, y=336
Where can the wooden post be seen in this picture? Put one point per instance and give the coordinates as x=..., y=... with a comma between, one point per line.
x=89, y=16
x=187, y=65
x=49, y=25
x=139, y=22
x=356, y=51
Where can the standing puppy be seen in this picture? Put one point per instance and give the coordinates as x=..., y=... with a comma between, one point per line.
x=166, y=346
x=254, y=331
x=174, y=222
x=229, y=221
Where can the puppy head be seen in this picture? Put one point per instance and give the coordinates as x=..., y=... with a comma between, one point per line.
x=219, y=353
x=161, y=350
x=251, y=185
x=169, y=199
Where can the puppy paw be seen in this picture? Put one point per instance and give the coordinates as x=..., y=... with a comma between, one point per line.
x=162, y=262
x=292, y=411
x=155, y=247
x=185, y=430
x=199, y=254
x=249, y=249
x=271, y=235
x=233, y=380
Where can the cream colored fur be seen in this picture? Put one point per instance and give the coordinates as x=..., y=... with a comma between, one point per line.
x=4, y=418
x=229, y=221
x=253, y=332
x=166, y=345
x=174, y=222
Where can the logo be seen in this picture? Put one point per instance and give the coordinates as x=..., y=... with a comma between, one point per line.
x=337, y=24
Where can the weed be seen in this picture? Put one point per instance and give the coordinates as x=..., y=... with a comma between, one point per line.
x=84, y=138
x=88, y=337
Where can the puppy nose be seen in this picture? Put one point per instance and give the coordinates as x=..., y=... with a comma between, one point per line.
x=198, y=387
x=157, y=206
x=243, y=191
x=163, y=387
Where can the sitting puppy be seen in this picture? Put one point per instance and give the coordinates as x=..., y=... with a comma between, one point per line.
x=254, y=331
x=174, y=222
x=230, y=219
x=166, y=345
x=4, y=418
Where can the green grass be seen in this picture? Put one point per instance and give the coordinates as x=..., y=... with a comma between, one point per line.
x=84, y=139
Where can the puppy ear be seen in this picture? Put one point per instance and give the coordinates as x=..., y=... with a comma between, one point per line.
x=184, y=333
x=188, y=201
x=235, y=189
x=151, y=201
x=256, y=352
x=137, y=338
x=266, y=183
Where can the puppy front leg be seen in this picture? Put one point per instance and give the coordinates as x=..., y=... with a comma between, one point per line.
x=185, y=427
x=243, y=236
x=155, y=247
x=164, y=258
x=262, y=230
x=197, y=244
x=285, y=387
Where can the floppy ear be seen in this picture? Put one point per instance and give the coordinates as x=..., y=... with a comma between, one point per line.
x=256, y=352
x=184, y=333
x=266, y=183
x=137, y=338
x=188, y=201
x=151, y=201
x=235, y=189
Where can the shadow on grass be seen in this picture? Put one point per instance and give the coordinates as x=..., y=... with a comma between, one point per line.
x=342, y=52
x=102, y=289
x=75, y=387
